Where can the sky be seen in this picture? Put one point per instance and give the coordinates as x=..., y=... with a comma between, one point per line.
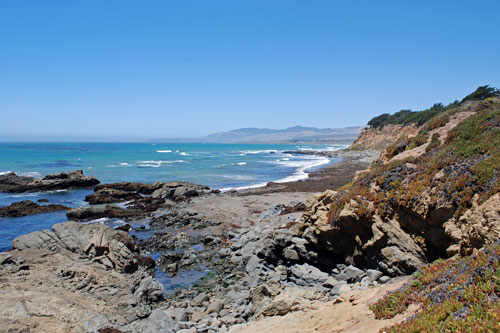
x=152, y=69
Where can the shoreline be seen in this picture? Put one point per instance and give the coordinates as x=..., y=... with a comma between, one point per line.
x=237, y=236
x=330, y=176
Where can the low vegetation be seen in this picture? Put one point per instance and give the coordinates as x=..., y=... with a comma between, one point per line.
x=469, y=162
x=406, y=117
x=455, y=295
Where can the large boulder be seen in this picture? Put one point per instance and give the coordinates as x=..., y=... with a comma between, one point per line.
x=28, y=207
x=307, y=275
x=11, y=182
x=113, y=249
x=179, y=191
x=78, y=278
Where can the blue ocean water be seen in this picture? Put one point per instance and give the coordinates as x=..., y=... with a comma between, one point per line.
x=222, y=166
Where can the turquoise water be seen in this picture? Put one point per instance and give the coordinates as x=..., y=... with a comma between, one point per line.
x=221, y=166
x=215, y=165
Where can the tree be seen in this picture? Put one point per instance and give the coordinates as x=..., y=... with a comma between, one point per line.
x=481, y=93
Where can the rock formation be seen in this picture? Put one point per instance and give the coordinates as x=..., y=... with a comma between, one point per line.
x=13, y=183
x=28, y=207
x=433, y=203
x=78, y=278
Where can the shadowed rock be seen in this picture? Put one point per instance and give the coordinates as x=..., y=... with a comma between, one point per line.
x=28, y=207
x=13, y=183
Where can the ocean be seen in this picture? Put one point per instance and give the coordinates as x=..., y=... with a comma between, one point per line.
x=221, y=166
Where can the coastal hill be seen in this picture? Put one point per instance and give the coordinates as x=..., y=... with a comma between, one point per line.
x=433, y=194
x=291, y=135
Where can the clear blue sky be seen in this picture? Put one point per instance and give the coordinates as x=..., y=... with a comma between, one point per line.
x=148, y=68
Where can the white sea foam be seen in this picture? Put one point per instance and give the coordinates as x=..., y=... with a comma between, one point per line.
x=330, y=148
x=253, y=152
x=32, y=194
x=124, y=164
x=238, y=177
x=57, y=191
x=29, y=174
x=242, y=163
x=102, y=220
x=184, y=154
x=164, y=151
x=302, y=166
x=4, y=172
x=160, y=162
x=242, y=187
x=149, y=165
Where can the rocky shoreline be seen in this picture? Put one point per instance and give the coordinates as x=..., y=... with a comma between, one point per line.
x=253, y=269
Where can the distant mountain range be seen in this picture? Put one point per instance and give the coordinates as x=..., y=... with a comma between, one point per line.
x=294, y=135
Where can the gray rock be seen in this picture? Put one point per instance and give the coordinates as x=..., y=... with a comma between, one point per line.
x=345, y=288
x=253, y=266
x=306, y=275
x=365, y=281
x=350, y=274
x=275, y=210
x=199, y=300
x=98, y=242
x=384, y=279
x=180, y=191
x=158, y=322
x=330, y=282
x=179, y=314
x=11, y=182
x=149, y=290
x=215, y=306
x=373, y=274
x=290, y=254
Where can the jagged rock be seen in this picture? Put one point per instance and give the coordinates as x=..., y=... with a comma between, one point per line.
x=110, y=195
x=11, y=182
x=180, y=218
x=131, y=187
x=96, y=212
x=126, y=227
x=97, y=242
x=149, y=290
x=178, y=191
x=294, y=206
x=477, y=227
x=28, y=207
x=275, y=210
x=82, y=278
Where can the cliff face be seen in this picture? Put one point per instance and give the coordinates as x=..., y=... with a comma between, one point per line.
x=380, y=138
x=430, y=195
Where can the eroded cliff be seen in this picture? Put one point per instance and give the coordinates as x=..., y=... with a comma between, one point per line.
x=430, y=195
